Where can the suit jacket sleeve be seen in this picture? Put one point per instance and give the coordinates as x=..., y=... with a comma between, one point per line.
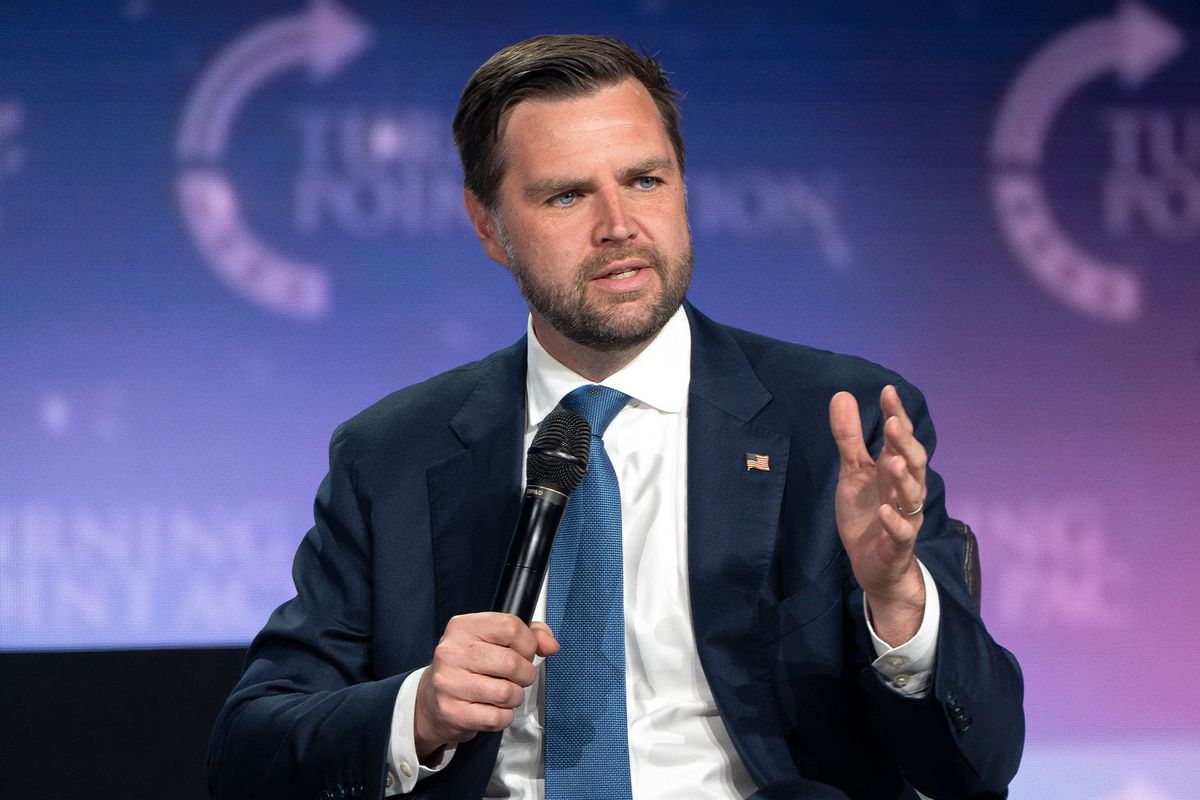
x=308, y=716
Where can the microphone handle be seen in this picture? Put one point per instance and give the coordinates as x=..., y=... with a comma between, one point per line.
x=529, y=554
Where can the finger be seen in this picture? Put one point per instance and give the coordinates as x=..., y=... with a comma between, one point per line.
x=893, y=406
x=496, y=628
x=455, y=655
x=904, y=490
x=899, y=441
x=464, y=719
x=847, y=430
x=547, y=645
x=486, y=717
x=901, y=530
x=491, y=691
x=496, y=661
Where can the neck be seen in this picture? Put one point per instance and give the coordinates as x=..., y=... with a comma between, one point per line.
x=595, y=365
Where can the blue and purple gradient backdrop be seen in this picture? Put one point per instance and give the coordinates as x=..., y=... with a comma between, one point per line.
x=164, y=433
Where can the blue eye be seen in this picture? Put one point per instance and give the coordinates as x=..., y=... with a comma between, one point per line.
x=565, y=199
x=647, y=182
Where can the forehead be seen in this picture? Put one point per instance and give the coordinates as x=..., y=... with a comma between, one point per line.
x=613, y=123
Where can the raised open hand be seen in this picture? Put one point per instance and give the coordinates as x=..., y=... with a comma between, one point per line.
x=879, y=509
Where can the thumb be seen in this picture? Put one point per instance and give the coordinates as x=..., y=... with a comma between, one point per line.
x=547, y=645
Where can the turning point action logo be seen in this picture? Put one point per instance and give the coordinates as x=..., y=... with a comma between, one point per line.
x=322, y=38
x=393, y=171
x=1135, y=43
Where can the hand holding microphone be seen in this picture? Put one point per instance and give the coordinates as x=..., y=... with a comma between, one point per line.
x=484, y=661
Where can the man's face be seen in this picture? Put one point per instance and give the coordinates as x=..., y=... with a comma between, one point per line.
x=592, y=218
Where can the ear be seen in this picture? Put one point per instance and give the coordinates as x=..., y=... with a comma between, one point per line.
x=485, y=228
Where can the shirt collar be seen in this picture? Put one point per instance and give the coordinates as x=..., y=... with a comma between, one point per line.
x=658, y=377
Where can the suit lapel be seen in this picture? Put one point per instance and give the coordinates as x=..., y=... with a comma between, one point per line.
x=474, y=499
x=733, y=521
x=474, y=495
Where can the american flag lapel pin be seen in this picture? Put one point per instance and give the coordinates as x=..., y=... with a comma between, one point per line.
x=759, y=461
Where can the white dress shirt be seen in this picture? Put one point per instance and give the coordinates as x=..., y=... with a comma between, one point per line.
x=678, y=745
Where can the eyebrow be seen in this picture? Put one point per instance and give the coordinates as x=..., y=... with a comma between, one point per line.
x=551, y=187
x=654, y=164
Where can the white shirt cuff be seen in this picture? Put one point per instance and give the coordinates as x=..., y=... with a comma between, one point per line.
x=404, y=769
x=908, y=669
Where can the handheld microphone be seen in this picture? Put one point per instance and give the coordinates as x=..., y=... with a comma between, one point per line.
x=554, y=468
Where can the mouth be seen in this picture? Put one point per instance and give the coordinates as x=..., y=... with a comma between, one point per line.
x=623, y=269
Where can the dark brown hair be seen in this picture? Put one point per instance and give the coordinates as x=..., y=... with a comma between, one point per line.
x=547, y=67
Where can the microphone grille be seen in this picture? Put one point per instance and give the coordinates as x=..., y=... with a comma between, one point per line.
x=558, y=456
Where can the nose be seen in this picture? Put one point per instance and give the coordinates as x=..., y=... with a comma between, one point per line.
x=613, y=222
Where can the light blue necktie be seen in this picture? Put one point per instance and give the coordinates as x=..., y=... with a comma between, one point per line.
x=587, y=737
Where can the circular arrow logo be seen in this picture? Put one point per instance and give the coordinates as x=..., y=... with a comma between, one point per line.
x=1134, y=43
x=322, y=38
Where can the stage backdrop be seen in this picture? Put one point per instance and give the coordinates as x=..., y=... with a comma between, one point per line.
x=227, y=226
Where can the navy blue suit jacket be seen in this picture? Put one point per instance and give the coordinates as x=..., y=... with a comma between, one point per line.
x=412, y=526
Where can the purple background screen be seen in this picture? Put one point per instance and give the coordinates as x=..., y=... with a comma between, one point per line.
x=226, y=227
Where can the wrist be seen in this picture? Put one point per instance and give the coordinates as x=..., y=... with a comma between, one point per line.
x=429, y=747
x=426, y=741
x=896, y=614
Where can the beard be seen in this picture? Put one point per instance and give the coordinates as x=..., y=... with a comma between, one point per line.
x=605, y=328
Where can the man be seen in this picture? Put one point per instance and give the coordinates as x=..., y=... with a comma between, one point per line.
x=791, y=612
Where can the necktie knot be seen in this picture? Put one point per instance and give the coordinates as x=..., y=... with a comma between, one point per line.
x=599, y=405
